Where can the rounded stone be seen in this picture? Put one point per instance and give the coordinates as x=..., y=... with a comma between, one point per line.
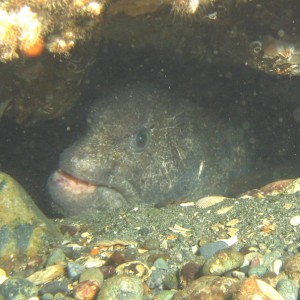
x=74, y=270
x=208, y=250
x=165, y=295
x=170, y=281
x=158, y=274
x=222, y=262
x=259, y=271
x=270, y=257
x=287, y=289
x=292, y=267
x=151, y=244
x=254, y=288
x=18, y=289
x=24, y=229
x=86, y=290
x=125, y=287
x=54, y=287
x=57, y=256
x=92, y=274
x=189, y=272
x=47, y=296
x=209, y=287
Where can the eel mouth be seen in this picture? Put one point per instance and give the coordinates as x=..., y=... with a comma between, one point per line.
x=72, y=184
x=72, y=195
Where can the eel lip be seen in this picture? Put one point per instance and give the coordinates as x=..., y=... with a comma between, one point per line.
x=72, y=195
x=72, y=184
x=75, y=186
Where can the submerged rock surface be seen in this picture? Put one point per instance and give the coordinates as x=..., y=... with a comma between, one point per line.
x=24, y=230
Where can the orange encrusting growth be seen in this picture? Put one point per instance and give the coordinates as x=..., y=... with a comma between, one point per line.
x=35, y=50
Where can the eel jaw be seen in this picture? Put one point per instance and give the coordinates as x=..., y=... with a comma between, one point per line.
x=72, y=184
x=72, y=196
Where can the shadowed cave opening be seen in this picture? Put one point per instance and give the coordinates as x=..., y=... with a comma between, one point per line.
x=266, y=107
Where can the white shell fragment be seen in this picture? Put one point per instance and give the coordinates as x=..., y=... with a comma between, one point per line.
x=208, y=201
x=136, y=268
x=50, y=273
x=3, y=276
x=295, y=221
x=231, y=241
x=94, y=263
x=276, y=266
x=187, y=204
x=179, y=229
x=110, y=243
x=224, y=210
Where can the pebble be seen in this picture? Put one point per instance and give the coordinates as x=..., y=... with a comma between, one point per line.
x=55, y=287
x=18, y=288
x=259, y=271
x=117, y=258
x=253, y=259
x=189, y=273
x=295, y=221
x=208, y=250
x=161, y=264
x=291, y=267
x=164, y=295
x=151, y=244
x=270, y=257
x=47, y=296
x=170, y=281
x=56, y=257
x=92, y=274
x=108, y=271
x=125, y=287
x=86, y=290
x=238, y=274
x=254, y=288
x=276, y=266
x=287, y=289
x=74, y=270
x=68, y=229
x=71, y=253
x=209, y=287
x=272, y=279
x=60, y=296
x=222, y=262
x=160, y=270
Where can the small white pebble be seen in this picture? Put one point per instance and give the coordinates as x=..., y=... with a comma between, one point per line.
x=295, y=221
x=231, y=241
x=276, y=266
x=209, y=201
x=238, y=275
x=94, y=263
x=86, y=235
x=186, y=204
x=3, y=276
x=195, y=249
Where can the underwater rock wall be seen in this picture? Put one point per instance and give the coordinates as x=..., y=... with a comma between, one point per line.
x=57, y=43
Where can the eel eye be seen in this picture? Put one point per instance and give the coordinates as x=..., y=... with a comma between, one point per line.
x=142, y=140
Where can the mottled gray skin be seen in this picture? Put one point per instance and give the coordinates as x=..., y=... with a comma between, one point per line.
x=145, y=145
